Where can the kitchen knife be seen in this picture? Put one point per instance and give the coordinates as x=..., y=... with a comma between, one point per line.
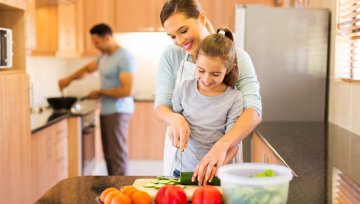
x=180, y=163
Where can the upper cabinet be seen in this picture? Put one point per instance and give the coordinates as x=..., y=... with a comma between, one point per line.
x=141, y=15
x=95, y=12
x=19, y=4
x=222, y=13
x=12, y=17
x=46, y=30
x=62, y=26
x=30, y=29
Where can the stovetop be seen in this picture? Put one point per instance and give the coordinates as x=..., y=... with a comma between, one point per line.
x=47, y=116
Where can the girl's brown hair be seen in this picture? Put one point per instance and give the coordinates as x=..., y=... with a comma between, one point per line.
x=191, y=8
x=221, y=44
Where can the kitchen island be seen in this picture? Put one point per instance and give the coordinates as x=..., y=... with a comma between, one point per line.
x=311, y=149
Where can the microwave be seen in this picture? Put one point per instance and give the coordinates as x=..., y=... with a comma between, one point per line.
x=6, y=43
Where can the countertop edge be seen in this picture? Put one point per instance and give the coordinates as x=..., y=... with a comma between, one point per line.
x=58, y=119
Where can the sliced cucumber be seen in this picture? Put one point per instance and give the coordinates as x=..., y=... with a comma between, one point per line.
x=155, y=181
x=163, y=178
x=149, y=185
x=181, y=186
x=164, y=181
x=157, y=186
x=175, y=180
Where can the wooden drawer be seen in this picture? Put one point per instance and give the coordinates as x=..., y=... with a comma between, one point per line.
x=262, y=152
x=49, y=157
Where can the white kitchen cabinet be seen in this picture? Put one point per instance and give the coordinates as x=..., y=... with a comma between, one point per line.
x=49, y=157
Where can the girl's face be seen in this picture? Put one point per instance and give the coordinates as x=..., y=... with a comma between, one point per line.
x=210, y=73
x=186, y=32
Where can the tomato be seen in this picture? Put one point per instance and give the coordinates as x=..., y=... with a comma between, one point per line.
x=105, y=192
x=207, y=195
x=170, y=194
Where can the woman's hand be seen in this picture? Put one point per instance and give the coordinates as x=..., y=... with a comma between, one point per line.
x=179, y=131
x=208, y=167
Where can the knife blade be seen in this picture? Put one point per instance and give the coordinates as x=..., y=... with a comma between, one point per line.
x=180, y=163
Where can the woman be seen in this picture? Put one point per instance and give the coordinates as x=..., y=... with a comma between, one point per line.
x=187, y=25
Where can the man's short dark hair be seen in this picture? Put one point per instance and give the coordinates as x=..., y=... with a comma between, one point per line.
x=101, y=30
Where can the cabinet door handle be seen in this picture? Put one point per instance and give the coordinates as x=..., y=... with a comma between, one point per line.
x=265, y=159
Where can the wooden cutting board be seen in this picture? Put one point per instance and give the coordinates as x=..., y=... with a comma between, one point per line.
x=189, y=190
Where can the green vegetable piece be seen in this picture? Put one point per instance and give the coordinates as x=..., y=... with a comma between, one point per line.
x=181, y=186
x=175, y=180
x=163, y=178
x=155, y=181
x=269, y=172
x=261, y=174
x=157, y=186
x=164, y=181
x=185, y=179
x=149, y=185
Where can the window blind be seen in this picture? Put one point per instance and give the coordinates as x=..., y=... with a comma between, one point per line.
x=347, y=57
x=344, y=189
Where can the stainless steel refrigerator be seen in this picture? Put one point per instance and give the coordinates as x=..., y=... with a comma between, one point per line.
x=289, y=49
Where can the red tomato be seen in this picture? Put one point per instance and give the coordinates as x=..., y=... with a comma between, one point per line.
x=207, y=195
x=170, y=194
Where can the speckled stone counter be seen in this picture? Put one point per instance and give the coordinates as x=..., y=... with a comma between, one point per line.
x=48, y=117
x=302, y=145
x=83, y=189
x=311, y=149
x=39, y=121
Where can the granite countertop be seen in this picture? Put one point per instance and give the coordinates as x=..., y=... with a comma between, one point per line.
x=84, y=189
x=311, y=149
x=302, y=145
x=39, y=121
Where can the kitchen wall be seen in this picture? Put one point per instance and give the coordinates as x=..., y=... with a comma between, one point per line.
x=344, y=98
x=146, y=48
x=46, y=71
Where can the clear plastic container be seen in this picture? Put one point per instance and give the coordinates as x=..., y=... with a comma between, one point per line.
x=239, y=183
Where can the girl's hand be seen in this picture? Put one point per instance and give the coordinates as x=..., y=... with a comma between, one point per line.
x=179, y=131
x=208, y=167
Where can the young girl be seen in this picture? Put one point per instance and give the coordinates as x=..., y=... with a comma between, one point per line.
x=209, y=102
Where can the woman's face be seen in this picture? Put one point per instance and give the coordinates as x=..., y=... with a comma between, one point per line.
x=186, y=32
x=210, y=72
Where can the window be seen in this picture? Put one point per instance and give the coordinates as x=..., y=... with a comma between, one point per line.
x=347, y=57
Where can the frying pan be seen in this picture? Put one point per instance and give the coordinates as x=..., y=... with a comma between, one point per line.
x=59, y=103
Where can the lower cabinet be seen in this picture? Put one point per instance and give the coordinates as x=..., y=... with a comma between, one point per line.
x=146, y=133
x=49, y=157
x=262, y=152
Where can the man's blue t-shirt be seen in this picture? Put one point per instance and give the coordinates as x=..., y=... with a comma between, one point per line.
x=110, y=67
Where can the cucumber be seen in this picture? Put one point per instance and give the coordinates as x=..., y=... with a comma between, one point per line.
x=155, y=181
x=157, y=186
x=185, y=179
x=175, y=180
x=164, y=181
x=163, y=178
x=149, y=185
x=181, y=186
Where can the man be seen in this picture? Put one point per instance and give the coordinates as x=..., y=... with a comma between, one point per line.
x=116, y=66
